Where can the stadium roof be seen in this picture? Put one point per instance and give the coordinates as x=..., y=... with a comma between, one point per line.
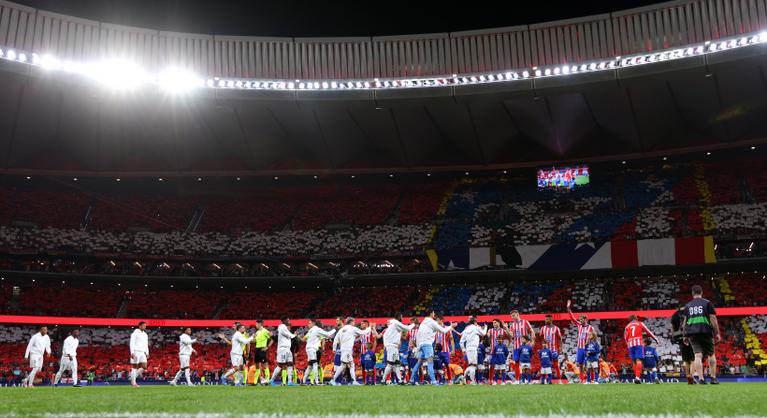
x=58, y=123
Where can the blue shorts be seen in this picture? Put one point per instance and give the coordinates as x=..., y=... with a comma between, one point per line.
x=516, y=355
x=425, y=351
x=445, y=357
x=636, y=352
x=337, y=359
x=580, y=356
x=411, y=362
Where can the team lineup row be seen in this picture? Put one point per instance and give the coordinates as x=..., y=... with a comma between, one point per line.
x=419, y=347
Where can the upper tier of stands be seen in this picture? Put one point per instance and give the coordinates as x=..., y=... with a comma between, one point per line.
x=724, y=199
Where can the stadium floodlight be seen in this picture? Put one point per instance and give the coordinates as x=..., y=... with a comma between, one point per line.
x=525, y=74
x=763, y=37
x=316, y=85
x=49, y=62
x=291, y=85
x=547, y=71
x=22, y=57
x=324, y=84
x=557, y=70
x=565, y=69
x=537, y=73
x=120, y=75
x=177, y=80
x=334, y=85
x=301, y=85
x=11, y=55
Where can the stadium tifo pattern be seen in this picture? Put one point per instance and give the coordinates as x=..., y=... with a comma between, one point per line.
x=391, y=218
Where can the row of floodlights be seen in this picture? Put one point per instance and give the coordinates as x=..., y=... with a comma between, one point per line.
x=126, y=75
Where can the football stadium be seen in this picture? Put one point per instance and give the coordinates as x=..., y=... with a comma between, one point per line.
x=373, y=210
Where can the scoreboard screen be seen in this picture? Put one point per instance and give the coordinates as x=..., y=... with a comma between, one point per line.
x=563, y=177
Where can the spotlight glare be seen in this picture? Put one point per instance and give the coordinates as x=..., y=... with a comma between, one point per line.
x=11, y=55
x=119, y=75
x=177, y=80
x=50, y=63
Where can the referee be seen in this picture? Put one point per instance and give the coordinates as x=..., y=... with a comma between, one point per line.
x=677, y=338
x=263, y=341
x=700, y=329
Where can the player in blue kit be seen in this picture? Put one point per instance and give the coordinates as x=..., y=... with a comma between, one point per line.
x=368, y=363
x=524, y=359
x=546, y=357
x=500, y=355
x=650, y=361
x=439, y=363
x=593, y=350
x=481, y=354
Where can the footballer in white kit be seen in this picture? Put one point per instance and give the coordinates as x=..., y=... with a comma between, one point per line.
x=345, y=343
x=313, y=340
x=284, y=355
x=238, y=362
x=39, y=345
x=470, y=345
x=185, y=351
x=392, y=338
x=69, y=359
x=139, y=352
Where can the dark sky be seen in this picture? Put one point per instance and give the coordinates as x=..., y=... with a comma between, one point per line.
x=296, y=18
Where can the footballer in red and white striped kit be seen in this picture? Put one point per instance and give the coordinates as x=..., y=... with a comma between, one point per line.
x=411, y=334
x=584, y=331
x=495, y=334
x=518, y=328
x=553, y=335
x=445, y=340
x=370, y=338
x=633, y=334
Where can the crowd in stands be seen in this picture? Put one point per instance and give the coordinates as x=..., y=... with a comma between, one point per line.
x=237, y=301
x=651, y=202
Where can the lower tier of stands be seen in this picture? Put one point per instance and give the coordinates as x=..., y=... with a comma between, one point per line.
x=150, y=299
x=103, y=350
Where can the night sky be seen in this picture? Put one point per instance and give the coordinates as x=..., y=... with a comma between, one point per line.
x=300, y=18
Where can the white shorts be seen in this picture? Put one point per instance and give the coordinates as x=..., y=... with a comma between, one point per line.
x=236, y=360
x=183, y=360
x=311, y=354
x=481, y=367
x=524, y=365
x=284, y=355
x=499, y=367
x=346, y=357
x=545, y=370
x=471, y=356
x=592, y=364
x=138, y=358
x=392, y=354
x=35, y=361
x=67, y=364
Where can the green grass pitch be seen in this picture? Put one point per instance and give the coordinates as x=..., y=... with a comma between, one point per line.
x=734, y=399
